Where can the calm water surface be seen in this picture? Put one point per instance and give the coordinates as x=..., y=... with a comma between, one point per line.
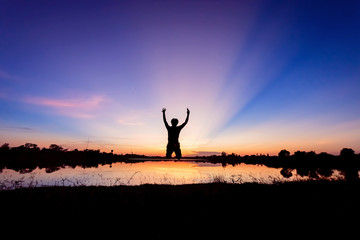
x=148, y=172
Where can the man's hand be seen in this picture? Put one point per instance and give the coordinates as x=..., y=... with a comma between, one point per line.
x=188, y=111
x=163, y=110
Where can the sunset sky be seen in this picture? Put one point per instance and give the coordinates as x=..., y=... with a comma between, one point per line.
x=257, y=76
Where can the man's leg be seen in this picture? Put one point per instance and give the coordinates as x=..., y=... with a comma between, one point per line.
x=178, y=152
x=169, y=151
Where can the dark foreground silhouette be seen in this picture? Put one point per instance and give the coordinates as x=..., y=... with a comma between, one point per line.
x=312, y=209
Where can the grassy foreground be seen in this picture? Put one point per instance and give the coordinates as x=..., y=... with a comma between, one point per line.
x=197, y=210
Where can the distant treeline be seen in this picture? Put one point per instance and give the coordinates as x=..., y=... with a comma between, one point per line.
x=27, y=157
x=306, y=164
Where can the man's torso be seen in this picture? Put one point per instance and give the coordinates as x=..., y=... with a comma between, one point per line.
x=173, y=134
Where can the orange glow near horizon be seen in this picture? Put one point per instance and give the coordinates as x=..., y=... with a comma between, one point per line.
x=246, y=148
x=268, y=138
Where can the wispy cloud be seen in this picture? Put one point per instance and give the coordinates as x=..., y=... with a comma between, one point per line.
x=67, y=103
x=18, y=128
x=4, y=74
x=7, y=76
x=75, y=107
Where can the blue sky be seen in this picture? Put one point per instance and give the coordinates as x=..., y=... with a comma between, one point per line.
x=258, y=76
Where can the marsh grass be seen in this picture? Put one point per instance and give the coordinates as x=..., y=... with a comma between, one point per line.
x=136, y=178
x=19, y=183
x=99, y=180
x=217, y=178
x=241, y=179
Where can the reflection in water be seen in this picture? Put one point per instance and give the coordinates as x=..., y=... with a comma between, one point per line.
x=148, y=172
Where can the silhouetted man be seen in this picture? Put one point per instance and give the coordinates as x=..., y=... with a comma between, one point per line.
x=173, y=135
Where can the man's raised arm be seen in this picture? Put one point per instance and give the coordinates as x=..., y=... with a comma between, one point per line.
x=187, y=118
x=164, y=118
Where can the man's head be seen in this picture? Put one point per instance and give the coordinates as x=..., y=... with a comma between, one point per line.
x=174, y=122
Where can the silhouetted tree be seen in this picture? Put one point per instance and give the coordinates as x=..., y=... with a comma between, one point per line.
x=55, y=147
x=300, y=155
x=349, y=170
x=311, y=154
x=31, y=146
x=284, y=153
x=347, y=153
x=325, y=155
x=5, y=147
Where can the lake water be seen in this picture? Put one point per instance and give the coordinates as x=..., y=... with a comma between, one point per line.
x=147, y=172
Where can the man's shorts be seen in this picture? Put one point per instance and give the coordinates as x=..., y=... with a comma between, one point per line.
x=173, y=147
